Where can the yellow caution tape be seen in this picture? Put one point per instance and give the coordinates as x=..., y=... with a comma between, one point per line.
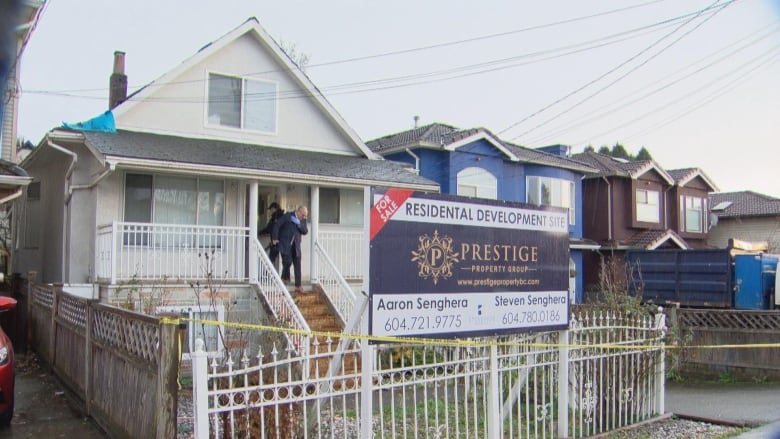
x=455, y=342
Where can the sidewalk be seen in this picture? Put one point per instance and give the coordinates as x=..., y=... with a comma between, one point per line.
x=751, y=404
x=43, y=408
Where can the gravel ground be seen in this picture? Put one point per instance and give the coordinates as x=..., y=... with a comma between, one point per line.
x=673, y=427
x=668, y=428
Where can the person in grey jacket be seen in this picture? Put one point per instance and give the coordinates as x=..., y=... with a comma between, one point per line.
x=287, y=234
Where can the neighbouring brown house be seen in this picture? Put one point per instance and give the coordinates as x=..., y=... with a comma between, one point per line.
x=747, y=216
x=639, y=205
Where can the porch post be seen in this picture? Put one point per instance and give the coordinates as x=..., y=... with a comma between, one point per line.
x=252, y=247
x=314, y=225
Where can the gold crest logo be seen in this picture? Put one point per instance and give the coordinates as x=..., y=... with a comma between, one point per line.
x=434, y=257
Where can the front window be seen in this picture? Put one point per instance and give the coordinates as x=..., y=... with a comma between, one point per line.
x=477, y=182
x=692, y=214
x=341, y=206
x=647, y=206
x=165, y=199
x=548, y=191
x=242, y=103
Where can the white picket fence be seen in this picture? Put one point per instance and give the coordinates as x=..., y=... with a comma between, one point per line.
x=605, y=372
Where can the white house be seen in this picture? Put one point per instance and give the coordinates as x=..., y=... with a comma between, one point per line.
x=175, y=194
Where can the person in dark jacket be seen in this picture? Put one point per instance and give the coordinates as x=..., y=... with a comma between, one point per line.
x=276, y=213
x=287, y=234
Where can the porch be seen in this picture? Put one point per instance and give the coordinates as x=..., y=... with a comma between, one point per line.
x=127, y=251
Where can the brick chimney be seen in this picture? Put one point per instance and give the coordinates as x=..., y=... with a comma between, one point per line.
x=117, y=92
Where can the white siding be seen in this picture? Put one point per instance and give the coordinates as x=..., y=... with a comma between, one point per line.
x=180, y=106
x=752, y=229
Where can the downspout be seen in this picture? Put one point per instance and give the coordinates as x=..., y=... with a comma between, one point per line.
x=73, y=160
x=609, y=208
x=110, y=167
x=13, y=196
x=416, y=160
x=65, y=213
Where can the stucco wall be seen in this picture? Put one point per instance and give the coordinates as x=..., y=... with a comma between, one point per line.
x=750, y=229
x=180, y=107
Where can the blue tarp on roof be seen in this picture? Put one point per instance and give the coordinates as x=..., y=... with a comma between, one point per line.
x=103, y=123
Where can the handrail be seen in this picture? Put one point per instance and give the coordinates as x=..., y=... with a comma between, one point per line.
x=335, y=286
x=280, y=300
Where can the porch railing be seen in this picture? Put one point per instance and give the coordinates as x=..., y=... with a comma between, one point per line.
x=345, y=248
x=281, y=302
x=142, y=251
x=334, y=285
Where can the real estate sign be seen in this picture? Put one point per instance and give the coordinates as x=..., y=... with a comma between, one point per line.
x=446, y=266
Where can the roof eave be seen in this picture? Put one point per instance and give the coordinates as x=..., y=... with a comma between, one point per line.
x=229, y=171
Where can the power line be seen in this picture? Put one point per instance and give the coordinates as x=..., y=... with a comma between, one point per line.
x=666, y=106
x=614, y=69
x=559, y=130
x=420, y=78
x=408, y=50
x=720, y=92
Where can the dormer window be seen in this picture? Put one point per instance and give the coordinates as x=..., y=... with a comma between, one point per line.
x=647, y=206
x=242, y=103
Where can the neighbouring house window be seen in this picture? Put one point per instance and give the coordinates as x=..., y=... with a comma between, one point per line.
x=165, y=199
x=692, y=214
x=477, y=182
x=32, y=230
x=341, y=206
x=548, y=191
x=243, y=103
x=647, y=206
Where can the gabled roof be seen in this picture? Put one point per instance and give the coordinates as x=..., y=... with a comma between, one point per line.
x=448, y=137
x=686, y=175
x=251, y=26
x=609, y=166
x=743, y=204
x=436, y=136
x=218, y=157
x=652, y=239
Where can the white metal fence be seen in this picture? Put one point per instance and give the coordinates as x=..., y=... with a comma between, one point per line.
x=140, y=251
x=603, y=373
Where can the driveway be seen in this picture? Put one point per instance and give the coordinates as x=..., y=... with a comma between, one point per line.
x=43, y=408
x=742, y=403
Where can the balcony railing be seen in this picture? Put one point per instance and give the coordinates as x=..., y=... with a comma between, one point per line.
x=145, y=251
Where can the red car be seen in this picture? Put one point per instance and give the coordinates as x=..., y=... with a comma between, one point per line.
x=6, y=368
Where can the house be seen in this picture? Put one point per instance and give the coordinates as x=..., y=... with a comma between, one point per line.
x=747, y=216
x=157, y=203
x=20, y=31
x=474, y=162
x=639, y=205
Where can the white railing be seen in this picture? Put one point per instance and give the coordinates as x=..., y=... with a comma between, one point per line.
x=604, y=373
x=334, y=285
x=280, y=301
x=346, y=250
x=141, y=251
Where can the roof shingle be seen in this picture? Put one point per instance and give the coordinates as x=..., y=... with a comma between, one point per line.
x=744, y=204
x=440, y=135
x=210, y=152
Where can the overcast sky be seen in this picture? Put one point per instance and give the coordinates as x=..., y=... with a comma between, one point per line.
x=695, y=82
